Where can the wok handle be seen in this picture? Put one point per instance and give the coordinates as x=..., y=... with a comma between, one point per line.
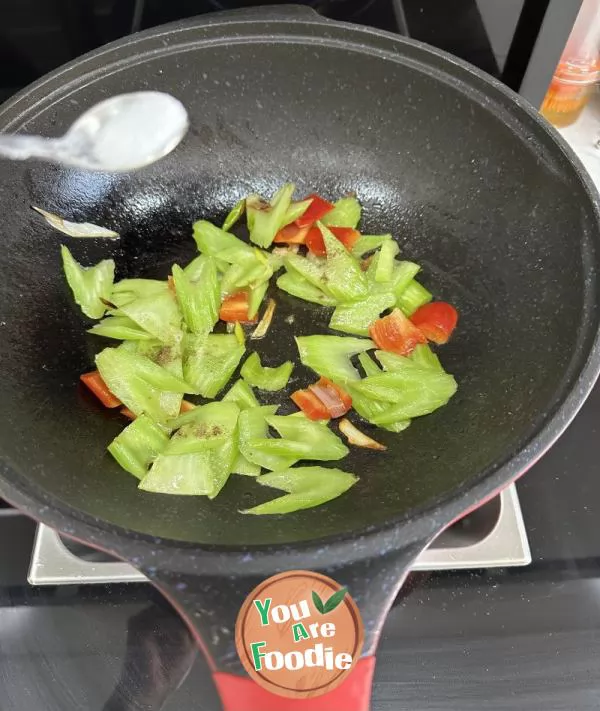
x=353, y=694
x=210, y=606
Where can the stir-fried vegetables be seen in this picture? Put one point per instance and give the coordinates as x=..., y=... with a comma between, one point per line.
x=379, y=368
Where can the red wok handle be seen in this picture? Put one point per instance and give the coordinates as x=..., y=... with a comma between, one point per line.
x=353, y=694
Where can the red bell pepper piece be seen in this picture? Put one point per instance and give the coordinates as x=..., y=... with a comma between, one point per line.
x=310, y=405
x=291, y=234
x=436, y=320
x=396, y=333
x=235, y=308
x=317, y=209
x=93, y=381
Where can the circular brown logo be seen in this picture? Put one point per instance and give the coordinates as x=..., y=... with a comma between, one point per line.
x=299, y=634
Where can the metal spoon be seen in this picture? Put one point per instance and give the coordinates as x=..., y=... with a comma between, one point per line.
x=122, y=133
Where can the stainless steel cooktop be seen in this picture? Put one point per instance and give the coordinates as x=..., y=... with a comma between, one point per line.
x=493, y=536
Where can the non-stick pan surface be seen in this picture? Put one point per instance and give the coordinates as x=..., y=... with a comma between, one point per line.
x=473, y=185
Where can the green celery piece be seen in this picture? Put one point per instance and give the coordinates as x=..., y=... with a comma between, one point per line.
x=305, y=486
x=138, y=445
x=242, y=395
x=367, y=243
x=253, y=425
x=199, y=301
x=322, y=443
x=345, y=279
x=409, y=394
x=368, y=364
x=368, y=409
x=255, y=298
x=415, y=295
x=263, y=377
x=126, y=375
x=312, y=270
x=157, y=374
x=121, y=328
x=198, y=474
x=402, y=275
x=210, y=361
x=244, y=467
x=423, y=356
x=330, y=355
x=89, y=284
x=128, y=290
x=346, y=213
x=265, y=223
x=357, y=317
x=385, y=262
x=299, y=287
x=158, y=315
x=206, y=427
x=213, y=241
x=168, y=357
x=234, y=214
x=295, y=210
x=275, y=261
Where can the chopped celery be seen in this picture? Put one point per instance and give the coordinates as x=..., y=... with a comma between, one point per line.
x=158, y=315
x=253, y=425
x=369, y=408
x=357, y=317
x=255, y=298
x=244, y=467
x=384, y=262
x=198, y=474
x=410, y=394
x=313, y=270
x=140, y=384
x=199, y=300
x=242, y=394
x=263, y=377
x=305, y=486
x=345, y=280
x=321, y=443
x=170, y=358
x=128, y=290
x=346, y=213
x=138, y=445
x=120, y=327
x=195, y=268
x=367, y=243
x=403, y=274
x=234, y=215
x=299, y=287
x=295, y=210
x=238, y=332
x=394, y=363
x=210, y=361
x=206, y=427
x=415, y=295
x=330, y=355
x=265, y=223
x=368, y=364
x=90, y=285
x=213, y=241
x=425, y=357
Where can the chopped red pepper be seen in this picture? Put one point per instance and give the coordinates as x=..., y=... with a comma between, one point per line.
x=336, y=400
x=436, y=320
x=396, y=333
x=291, y=234
x=235, y=308
x=317, y=209
x=94, y=382
x=128, y=413
x=186, y=406
x=310, y=405
x=346, y=235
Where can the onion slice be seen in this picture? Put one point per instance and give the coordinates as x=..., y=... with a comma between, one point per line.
x=76, y=229
x=358, y=438
x=264, y=324
x=330, y=398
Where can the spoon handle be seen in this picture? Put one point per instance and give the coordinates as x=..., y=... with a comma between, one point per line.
x=18, y=147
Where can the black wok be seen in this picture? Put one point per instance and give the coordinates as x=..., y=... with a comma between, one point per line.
x=472, y=183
